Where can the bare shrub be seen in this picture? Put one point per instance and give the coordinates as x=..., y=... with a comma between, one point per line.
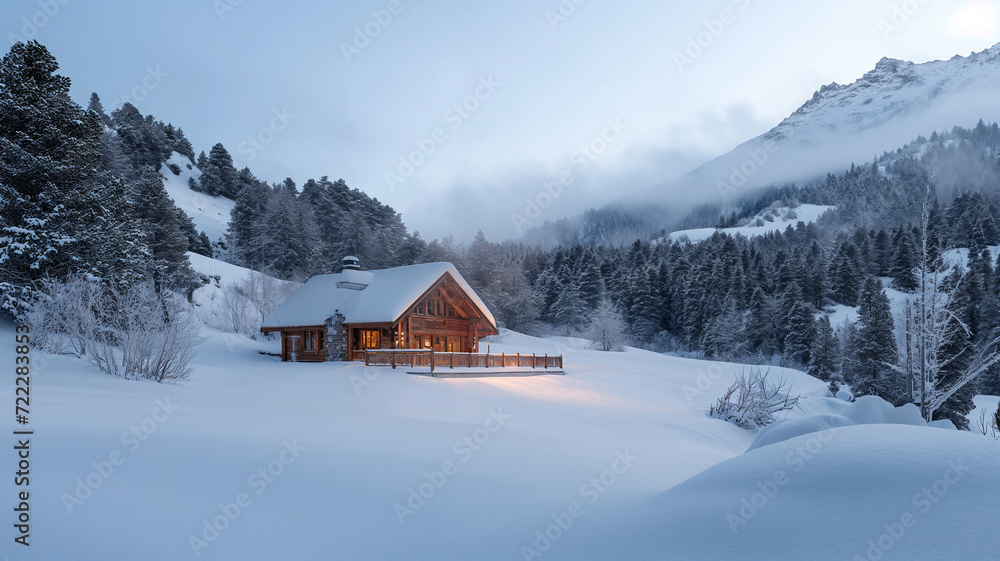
x=989, y=424
x=135, y=332
x=754, y=401
x=237, y=310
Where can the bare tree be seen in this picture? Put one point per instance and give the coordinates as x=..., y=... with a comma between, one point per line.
x=934, y=375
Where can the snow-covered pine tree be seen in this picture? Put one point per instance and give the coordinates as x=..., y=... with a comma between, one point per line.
x=219, y=176
x=846, y=275
x=904, y=261
x=825, y=356
x=725, y=336
x=801, y=332
x=591, y=282
x=97, y=107
x=143, y=140
x=644, y=313
x=59, y=212
x=182, y=145
x=161, y=221
x=873, y=349
x=290, y=247
x=569, y=309
x=246, y=233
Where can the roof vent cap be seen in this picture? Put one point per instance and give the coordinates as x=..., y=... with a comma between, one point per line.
x=351, y=263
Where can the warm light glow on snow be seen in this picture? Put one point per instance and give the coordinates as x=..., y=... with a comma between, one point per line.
x=977, y=19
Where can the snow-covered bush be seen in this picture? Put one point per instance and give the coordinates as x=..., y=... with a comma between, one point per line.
x=754, y=401
x=134, y=332
x=608, y=329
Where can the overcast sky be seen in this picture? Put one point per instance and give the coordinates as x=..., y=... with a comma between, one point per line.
x=499, y=96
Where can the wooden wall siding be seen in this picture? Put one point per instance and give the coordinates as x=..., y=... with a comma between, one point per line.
x=293, y=346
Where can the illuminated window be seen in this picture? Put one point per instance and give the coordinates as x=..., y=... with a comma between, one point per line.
x=369, y=339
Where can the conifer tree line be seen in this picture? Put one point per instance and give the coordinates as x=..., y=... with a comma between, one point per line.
x=768, y=299
x=81, y=195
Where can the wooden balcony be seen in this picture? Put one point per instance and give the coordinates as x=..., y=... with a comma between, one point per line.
x=439, y=360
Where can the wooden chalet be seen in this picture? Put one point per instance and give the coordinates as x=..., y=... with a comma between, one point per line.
x=341, y=316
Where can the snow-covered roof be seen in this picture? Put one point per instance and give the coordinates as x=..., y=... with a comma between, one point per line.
x=366, y=296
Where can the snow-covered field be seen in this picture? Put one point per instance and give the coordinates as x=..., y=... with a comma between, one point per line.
x=780, y=219
x=256, y=459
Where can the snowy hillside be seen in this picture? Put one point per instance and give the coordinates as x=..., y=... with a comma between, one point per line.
x=210, y=301
x=771, y=220
x=889, y=106
x=210, y=214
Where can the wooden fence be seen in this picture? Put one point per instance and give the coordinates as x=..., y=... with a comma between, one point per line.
x=432, y=359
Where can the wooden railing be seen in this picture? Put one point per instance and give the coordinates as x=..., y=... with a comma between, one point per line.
x=432, y=359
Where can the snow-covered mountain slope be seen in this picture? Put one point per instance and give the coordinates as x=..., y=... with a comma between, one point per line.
x=210, y=214
x=889, y=106
x=770, y=220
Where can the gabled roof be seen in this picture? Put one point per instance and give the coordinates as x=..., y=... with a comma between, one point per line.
x=366, y=296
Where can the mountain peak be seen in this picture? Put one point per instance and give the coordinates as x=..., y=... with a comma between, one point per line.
x=888, y=106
